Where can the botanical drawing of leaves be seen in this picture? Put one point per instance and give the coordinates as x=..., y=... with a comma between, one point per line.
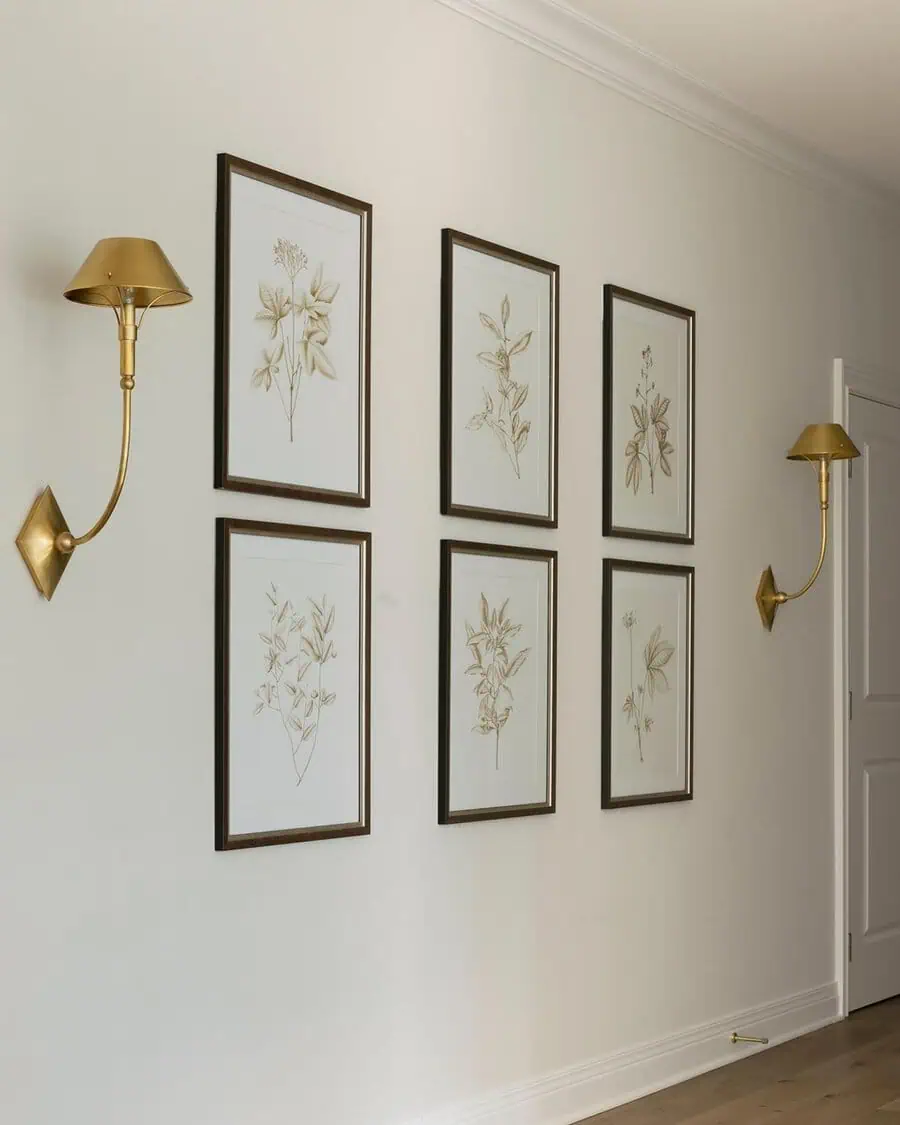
x=489, y=359
x=275, y=308
x=522, y=343
x=657, y=655
x=328, y=291
x=500, y=419
x=321, y=362
x=517, y=663
x=633, y=466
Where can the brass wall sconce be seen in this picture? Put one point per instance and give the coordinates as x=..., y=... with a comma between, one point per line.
x=125, y=274
x=819, y=444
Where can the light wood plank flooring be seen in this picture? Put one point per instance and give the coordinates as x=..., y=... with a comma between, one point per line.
x=847, y=1074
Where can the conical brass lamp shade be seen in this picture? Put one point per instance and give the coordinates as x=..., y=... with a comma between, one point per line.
x=824, y=439
x=138, y=264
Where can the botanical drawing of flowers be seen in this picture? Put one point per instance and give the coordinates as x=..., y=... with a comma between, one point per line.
x=297, y=349
x=650, y=444
x=489, y=646
x=291, y=647
x=657, y=654
x=503, y=416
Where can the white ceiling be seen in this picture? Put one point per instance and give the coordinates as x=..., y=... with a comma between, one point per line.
x=825, y=71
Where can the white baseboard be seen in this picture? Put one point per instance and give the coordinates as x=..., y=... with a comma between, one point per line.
x=570, y=1095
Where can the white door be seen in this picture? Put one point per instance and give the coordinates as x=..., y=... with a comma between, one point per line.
x=875, y=703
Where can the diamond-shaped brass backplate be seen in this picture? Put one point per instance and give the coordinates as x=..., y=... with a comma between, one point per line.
x=765, y=598
x=37, y=543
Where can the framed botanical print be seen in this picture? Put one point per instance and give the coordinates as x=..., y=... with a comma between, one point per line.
x=499, y=383
x=293, y=296
x=648, y=418
x=292, y=683
x=497, y=725
x=648, y=683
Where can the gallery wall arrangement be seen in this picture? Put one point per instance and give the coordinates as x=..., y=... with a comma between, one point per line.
x=293, y=298
x=499, y=385
x=294, y=649
x=293, y=657
x=648, y=418
x=497, y=739
x=648, y=683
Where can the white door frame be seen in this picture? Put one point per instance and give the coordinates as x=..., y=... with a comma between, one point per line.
x=879, y=386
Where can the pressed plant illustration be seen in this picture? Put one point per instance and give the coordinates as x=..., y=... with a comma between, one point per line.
x=650, y=445
x=299, y=323
x=657, y=654
x=503, y=415
x=292, y=647
x=493, y=669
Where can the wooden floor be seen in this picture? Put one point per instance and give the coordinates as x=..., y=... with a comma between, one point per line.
x=848, y=1074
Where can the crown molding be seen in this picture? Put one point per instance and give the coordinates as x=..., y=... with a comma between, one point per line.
x=560, y=32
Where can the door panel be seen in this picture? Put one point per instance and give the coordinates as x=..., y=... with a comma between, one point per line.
x=875, y=723
x=882, y=848
x=882, y=610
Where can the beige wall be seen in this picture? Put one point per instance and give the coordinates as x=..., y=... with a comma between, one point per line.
x=146, y=979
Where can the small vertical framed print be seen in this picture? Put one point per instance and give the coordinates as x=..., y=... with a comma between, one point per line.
x=499, y=383
x=648, y=418
x=648, y=683
x=292, y=683
x=293, y=296
x=497, y=726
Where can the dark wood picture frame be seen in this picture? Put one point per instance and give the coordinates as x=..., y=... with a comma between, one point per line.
x=449, y=548
x=228, y=166
x=612, y=293
x=449, y=239
x=225, y=527
x=608, y=801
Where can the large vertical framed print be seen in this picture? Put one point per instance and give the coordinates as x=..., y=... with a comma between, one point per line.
x=497, y=724
x=648, y=417
x=499, y=383
x=293, y=646
x=293, y=297
x=648, y=683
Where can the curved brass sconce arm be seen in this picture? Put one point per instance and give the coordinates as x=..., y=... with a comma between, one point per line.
x=822, y=444
x=123, y=274
x=65, y=541
x=781, y=597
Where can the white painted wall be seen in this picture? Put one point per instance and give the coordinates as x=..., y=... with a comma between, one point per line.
x=146, y=979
